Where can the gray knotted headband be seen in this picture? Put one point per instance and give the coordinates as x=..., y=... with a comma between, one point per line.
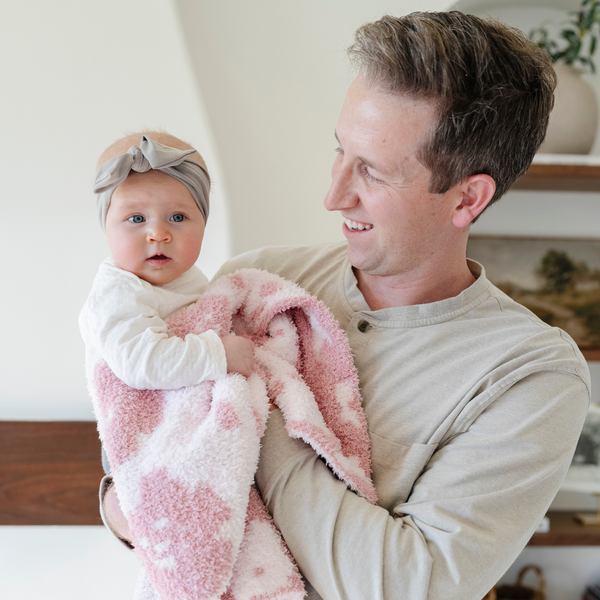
x=152, y=155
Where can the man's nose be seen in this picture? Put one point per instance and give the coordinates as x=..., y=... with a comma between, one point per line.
x=158, y=234
x=342, y=193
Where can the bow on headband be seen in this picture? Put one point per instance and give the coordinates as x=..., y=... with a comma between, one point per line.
x=151, y=155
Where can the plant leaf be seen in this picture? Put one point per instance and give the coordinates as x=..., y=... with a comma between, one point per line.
x=569, y=35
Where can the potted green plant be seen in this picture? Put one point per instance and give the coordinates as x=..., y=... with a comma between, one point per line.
x=578, y=38
x=573, y=122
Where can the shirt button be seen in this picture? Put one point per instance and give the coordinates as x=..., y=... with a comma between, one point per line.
x=364, y=326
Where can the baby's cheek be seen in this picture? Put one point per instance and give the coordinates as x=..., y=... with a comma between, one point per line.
x=191, y=248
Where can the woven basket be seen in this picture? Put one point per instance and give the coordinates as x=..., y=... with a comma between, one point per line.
x=518, y=591
x=491, y=595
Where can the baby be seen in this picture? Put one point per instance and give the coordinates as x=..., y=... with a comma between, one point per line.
x=152, y=197
x=153, y=205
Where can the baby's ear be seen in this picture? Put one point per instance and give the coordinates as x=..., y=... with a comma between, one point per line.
x=475, y=194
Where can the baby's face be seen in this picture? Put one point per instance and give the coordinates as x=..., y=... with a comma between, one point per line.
x=154, y=227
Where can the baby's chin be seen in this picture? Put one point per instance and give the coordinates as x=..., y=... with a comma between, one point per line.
x=157, y=276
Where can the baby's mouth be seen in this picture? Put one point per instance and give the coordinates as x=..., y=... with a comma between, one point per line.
x=158, y=258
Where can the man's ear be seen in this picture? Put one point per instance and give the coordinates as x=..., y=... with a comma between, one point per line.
x=476, y=193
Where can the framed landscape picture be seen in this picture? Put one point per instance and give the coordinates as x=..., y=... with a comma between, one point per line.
x=556, y=278
x=584, y=473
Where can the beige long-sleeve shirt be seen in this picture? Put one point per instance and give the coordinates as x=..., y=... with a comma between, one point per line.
x=474, y=408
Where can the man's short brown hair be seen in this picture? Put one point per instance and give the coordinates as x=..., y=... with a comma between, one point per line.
x=493, y=88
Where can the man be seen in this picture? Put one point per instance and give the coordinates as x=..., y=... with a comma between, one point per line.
x=474, y=405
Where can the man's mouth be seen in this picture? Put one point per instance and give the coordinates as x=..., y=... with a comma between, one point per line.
x=354, y=226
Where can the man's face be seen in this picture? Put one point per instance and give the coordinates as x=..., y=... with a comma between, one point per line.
x=154, y=227
x=393, y=224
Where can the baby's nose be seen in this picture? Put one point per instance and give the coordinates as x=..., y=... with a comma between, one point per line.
x=158, y=235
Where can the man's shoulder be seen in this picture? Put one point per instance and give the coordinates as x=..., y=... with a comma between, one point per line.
x=290, y=262
x=527, y=333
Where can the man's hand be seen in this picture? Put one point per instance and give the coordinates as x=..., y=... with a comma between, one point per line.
x=239, y=353
x=115, y=519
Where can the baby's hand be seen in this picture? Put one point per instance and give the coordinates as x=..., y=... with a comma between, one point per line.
x=239, y=353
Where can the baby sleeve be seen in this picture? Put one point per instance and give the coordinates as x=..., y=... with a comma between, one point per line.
x=121, y=321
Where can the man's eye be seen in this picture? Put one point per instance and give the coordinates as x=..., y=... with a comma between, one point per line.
x=178, y=218
x=370, y=177
x=136, y=219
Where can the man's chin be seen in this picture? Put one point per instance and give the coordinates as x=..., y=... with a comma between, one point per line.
x=360, y=262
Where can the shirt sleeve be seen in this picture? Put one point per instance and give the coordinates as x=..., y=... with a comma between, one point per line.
x=123, y=323
x=470, y=512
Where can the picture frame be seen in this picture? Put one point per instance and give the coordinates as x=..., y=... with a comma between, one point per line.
x=583, y=475
x=557, y=278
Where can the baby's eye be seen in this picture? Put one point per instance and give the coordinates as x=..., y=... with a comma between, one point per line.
x=178, y=218
x=136, y=219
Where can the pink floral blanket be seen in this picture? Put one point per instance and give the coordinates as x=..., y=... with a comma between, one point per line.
x=184, y=460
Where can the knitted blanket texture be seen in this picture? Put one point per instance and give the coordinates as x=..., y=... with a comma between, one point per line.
x=184, y=460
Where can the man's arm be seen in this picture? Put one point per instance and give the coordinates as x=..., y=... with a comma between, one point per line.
x=467, y=518
x=111, y=513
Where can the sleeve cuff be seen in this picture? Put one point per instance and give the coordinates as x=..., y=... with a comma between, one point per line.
x=217, y=354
